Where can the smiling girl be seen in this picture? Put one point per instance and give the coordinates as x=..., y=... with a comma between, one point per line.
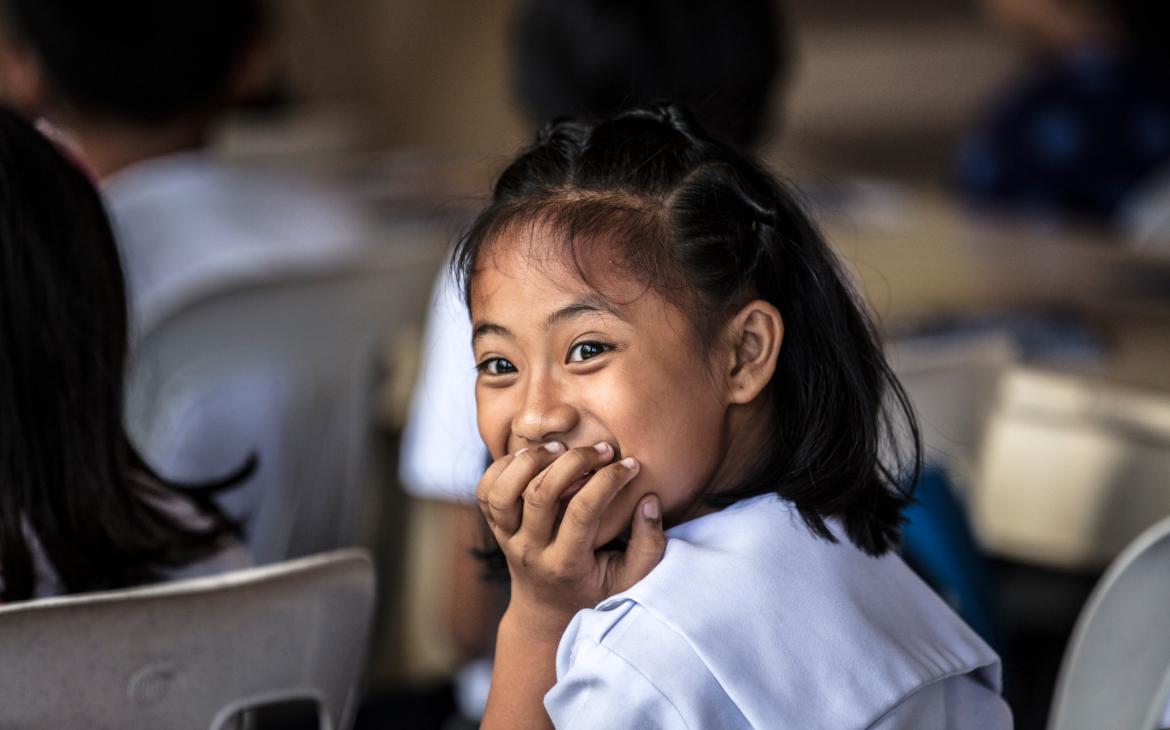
x=664, y=340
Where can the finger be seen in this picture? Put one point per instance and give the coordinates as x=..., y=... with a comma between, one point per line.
x=582, y=519
x=488, y=479
x=504, y=506
x=646, y=547
x=542, y=498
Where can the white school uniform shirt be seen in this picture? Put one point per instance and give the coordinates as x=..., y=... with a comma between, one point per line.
x=186, y=222
x=442, y=454
x=750, y=621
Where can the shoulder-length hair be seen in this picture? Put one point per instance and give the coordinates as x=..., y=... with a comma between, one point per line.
x=70, y=480
x=711, y=229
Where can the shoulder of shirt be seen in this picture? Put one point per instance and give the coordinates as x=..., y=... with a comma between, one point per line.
x=751, y=586
x=635, y=666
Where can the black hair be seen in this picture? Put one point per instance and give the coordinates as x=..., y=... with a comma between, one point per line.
x=68, y=473
x=597, y=57
x=144, y=61
x=700, y=222
x=1145, y=22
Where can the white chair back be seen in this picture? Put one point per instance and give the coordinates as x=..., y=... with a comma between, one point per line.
x=1116, y=670
x=283, y=366
x=191, y=654
x=1073, y=468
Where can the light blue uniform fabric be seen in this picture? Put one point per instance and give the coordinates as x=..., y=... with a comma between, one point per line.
x=751, y=621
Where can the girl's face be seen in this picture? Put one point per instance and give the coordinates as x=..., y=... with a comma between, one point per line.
x=560, y=360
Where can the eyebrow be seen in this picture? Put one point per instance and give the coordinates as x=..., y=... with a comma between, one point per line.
x=592, y=304
x=584, y=306
x=489, y=328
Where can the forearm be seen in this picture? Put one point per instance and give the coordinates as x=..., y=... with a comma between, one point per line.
x=524, y=670
x=473, y=606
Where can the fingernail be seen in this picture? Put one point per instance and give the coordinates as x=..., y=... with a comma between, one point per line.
x=601, y=448
x=521, y=451
x=630, y=463
x=650, y=510
x=554, y=447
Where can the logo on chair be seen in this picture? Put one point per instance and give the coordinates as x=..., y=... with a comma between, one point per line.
x=152, y=683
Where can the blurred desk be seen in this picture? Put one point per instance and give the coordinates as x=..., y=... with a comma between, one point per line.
x=921, y=259
x=1064, y=461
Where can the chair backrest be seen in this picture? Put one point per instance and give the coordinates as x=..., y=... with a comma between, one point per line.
x=1116, y=670
x=951, y=381
x=282, y=365
x=191, y=654
x=1073, y=468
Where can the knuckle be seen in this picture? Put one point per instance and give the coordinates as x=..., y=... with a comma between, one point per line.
x=526, y=556
x=482, y=490
x=563, y=571
x=580, y=513
x=534, y=498
x=495, y=504
x=613, y=474
x=581, y=455
x=484, y=506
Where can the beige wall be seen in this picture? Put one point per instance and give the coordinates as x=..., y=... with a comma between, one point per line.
x=425, y=74
x=884, y=93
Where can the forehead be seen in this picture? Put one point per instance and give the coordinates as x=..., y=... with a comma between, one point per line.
x=534, y=265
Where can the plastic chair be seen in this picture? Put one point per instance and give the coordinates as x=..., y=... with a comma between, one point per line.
x=1073, y=468
x=191, y=654
x=1116, y=670
x=283, y=365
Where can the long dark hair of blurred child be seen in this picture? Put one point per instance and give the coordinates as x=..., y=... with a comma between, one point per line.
x=79, y=509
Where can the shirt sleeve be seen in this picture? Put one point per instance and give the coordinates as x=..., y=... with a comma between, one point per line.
x=442, y=455
x=959, y=702
x=620, y=667
x=603, y=690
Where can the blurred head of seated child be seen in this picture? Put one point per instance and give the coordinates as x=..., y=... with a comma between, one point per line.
x=134, y=79
x=637, y=283
x=728, y=62
x=79, y=509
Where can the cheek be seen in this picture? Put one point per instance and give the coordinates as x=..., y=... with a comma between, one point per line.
x=494, y=412
x=672, y=423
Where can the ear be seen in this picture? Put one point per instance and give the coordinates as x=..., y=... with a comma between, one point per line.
x=755, y=333
x=22, y=80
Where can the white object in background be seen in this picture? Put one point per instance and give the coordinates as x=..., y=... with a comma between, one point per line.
x=1145, y=219
x=283, y=365
x=191, y=654
x=442, y=455
x=1072, y=469
x=952, y=381
x=1116, y=670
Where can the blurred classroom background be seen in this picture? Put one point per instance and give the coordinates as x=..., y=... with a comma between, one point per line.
x=1034, y=338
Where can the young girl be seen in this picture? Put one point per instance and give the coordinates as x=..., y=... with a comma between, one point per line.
x=79, y=509
x=664, y=340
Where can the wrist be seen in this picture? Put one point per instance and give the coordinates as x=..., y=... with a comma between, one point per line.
x=535, y=623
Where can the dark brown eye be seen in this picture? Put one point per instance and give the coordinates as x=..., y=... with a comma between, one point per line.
x=586, y=351
x=496, y=366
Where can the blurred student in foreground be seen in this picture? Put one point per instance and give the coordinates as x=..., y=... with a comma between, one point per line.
x=1076, y=135
x=137, y=87
x=79, y=509
x=590, y=58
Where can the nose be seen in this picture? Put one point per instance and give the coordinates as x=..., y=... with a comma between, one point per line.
x=545, y=414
